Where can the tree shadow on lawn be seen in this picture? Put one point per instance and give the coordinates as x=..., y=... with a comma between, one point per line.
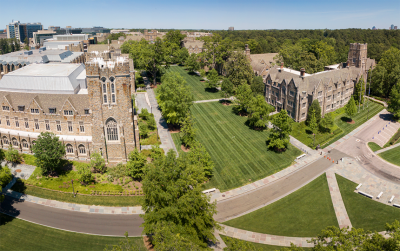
x=7, y=209
x=346, y=119
x=257, y=129
x=275, y=150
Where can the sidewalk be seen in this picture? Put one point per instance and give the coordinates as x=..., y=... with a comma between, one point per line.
x=211, y=100
x=387, y=148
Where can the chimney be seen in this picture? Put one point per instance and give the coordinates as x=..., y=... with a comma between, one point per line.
x=302, y=72
x=247, y=51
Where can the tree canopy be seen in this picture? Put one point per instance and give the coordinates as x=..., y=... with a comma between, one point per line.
x=279, y=137
x=316, y=109
x=257, y=86
x=394, y=102
x=227, y=88
x=48, y=151
x=238, y=69
x=351, y=108
x=259, y=112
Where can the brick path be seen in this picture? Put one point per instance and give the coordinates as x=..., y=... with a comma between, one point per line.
x=265, y=238
x=337, y=201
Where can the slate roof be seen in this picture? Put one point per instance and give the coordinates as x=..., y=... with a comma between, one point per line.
x=260, y=62
x=193, y=44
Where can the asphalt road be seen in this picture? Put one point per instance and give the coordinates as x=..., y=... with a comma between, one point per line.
x=243, y=204
x=101, y=224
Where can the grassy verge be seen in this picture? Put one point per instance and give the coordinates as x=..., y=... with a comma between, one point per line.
x=240, y=154
x=259, y=246
x=394, y=140
x=18, y=234
x=177, y=141
x=115, y=201
x=303, y=213
x=364, y=212
x=198, y=88
x=392, y=155
x=374, y=146
x=341, y=127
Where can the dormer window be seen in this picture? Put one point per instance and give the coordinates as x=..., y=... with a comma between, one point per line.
x=52, y=110
x=21, y=108
x=6, y=108
x=68, y=112
x=86, y=111
x=34, y=110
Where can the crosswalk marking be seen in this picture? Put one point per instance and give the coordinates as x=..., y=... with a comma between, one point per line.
x=364, y=157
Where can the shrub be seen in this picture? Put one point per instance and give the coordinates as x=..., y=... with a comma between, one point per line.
x=136, y=164
x=144, y=114
x=143, y=131
x=151, y=123
x=156, y=152
x=97, y=163
x=116, y=172
x=84, y=173
x=12, y=155
x=29, y=159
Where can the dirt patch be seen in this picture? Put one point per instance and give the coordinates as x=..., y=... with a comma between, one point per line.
x=173, y=129
x=185, y=149
x=202, y=81
x=351, y=122
x=147, y=243
x=259, y=128
x=18, y=170
x=226, y=103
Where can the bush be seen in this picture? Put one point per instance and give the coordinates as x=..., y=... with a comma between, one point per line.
x=144, y=114
x=97, y=163
x=12, y=155
x=151, y=123
x=5, y=178
x=29, y=159
x=143, y=131
x=84, y=173
x=136, y=164
x=116, y=172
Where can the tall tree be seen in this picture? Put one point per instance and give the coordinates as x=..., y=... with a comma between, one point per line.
x=48, y=151
x=351, y=108
x=174, y=36
x=279, y=137
x=212, y=79
x=259, y=112
x=359, y=89
x=244, y=96
x=192, y=63
x=238, y=69
x=199, y=156
x=135, y=167
x=257, y=86
x=227, y=88
x=394, y=102
x=170, y=185
x=312, y=123
x=174, y=97
x=314, y=107
x=188, y=132
x=5, y=178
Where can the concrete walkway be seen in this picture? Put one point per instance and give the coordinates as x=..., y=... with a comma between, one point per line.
x=211, y=100
x=337, y=201
x=265, y=238
x=142, y=101
x=166, y=140
x=387, y=148
x=379, y=101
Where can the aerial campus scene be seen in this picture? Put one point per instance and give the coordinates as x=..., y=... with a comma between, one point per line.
x=213, y=125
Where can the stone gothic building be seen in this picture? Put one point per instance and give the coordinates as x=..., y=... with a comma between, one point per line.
x=295, y=91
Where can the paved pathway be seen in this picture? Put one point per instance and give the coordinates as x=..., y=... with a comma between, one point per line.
x=211, y=100
x=379, y=101
x=265, y=238
x=340, y=210
x=143, y=102
x=24, y=170
x=166, y=140
x=387, y=148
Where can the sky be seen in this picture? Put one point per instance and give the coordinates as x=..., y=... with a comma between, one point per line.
x=205, y=14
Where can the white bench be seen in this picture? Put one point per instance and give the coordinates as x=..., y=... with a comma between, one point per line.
x=301, y=156
x=396, y=205
x=391, y=199
x=379, y=195
x=358, y=186
x=209, y=190
x=365, y=194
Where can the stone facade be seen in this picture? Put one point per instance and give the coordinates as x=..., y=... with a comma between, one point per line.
x=295, y=91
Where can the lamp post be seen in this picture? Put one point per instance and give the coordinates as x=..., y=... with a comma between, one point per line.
x=73, y=192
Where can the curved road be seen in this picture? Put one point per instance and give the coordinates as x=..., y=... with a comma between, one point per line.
x=106, y=224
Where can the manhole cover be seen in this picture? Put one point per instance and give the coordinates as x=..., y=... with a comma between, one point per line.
x=18, y=170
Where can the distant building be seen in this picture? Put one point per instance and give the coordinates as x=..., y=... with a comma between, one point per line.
x=22, y=30
x=120, y=31
x=153, y=34
x=72, y=42
x=395, y=27
x=195, y=46
x=373, y=27
x=392, y=27
x=94, y=30
x=260, y=63
x=231, y=28
x=54, y=28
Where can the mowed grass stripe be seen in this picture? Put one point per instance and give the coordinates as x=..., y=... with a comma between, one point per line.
x=198, y=88
x=239, y=153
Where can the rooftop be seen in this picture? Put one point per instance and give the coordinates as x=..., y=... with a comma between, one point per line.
x=40, y=56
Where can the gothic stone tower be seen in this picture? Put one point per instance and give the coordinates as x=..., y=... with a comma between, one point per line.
x=357, y=55
x=109, y=92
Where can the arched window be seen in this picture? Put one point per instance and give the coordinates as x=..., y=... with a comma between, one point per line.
x=112, y=130
x=5, y=140
x=24, y=143
x=82, y=149
x=14, y=142
x=70, y=148
x=112, y=93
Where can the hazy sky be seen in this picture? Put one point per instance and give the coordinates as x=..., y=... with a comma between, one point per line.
x=205, y=14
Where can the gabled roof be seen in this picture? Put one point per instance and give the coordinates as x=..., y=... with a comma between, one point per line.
x=261, y=62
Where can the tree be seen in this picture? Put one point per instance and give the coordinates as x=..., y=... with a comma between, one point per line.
x=359, y=88
x=12, y=155
x=257, y=86
x=84, y=174
x=394, y=102
x=136, y=165
x=192, y=63
x=200, y=157
x=327, y=122
x=48, y=151
x=97, y=163
x=124, y=245
x=174, y=37
x=314, y=107
x=188, y=132
x=212, y=79
x=183, y=55
x=174, y=97
x=259, y=112
x=351, y=108
x=279, y=137
x=238, y=69
x=244, y=96
x=26, y=41
x=170, y=185
x=227, y=88
x=5, y=178
x=312, y=123
x=156, y=152
x=143, y=131
x=202, y=73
